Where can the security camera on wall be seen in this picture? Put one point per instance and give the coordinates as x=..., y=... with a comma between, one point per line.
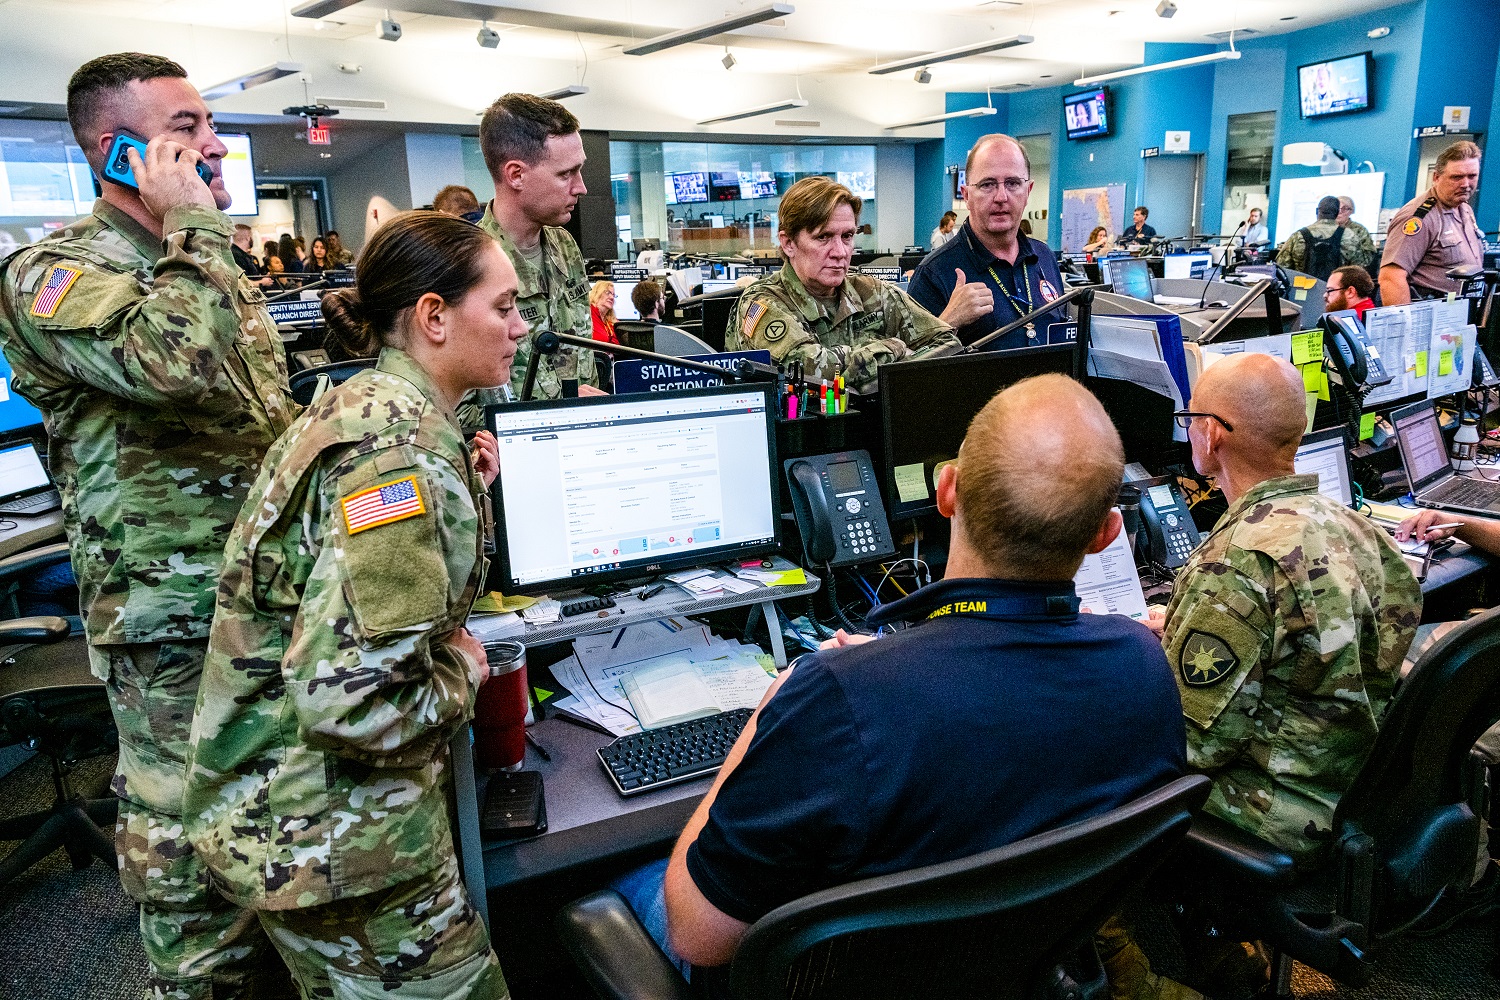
x=390, y=31
x=1166, y=8
x=488, y=37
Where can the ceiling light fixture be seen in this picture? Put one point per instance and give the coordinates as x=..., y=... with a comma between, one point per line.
x=729, y=60
x=1166, y=8
x=1212, y=57
x=686, y=35
x=950, y=116
x=265, y=74
x=488, y=37
x=922, y=76
x=764, y=109
x=561, y=93
x=321, y=8
x=948, y=55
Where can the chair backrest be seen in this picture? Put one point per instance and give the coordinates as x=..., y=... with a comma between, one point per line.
x=1414, y=795
x=678, y=343
x=993, y=925
x=304, y=383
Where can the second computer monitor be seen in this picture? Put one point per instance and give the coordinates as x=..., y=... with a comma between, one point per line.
x=1326, y=455
x=1130, y=276
x=926, y=406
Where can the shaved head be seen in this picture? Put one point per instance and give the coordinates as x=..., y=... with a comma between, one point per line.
x=1261, y=396
x=1038, y=474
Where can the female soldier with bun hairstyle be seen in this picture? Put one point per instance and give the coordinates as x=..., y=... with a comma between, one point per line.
x=339, y=666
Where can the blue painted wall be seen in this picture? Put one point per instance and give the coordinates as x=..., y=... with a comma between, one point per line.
x=932, y=191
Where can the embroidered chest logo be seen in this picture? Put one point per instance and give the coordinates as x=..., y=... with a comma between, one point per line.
x=1205, y=659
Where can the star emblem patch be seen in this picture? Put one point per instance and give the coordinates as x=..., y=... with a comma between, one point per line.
x=1205, y=659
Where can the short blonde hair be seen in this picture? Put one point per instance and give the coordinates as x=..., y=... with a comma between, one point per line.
x=1463, y=149
x=811, y=202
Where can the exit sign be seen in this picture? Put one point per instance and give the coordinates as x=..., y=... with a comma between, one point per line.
x=317, y=136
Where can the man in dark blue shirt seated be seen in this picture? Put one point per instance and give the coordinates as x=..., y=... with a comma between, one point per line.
x=1139, y=232
x=998, y=712
x=989, y=274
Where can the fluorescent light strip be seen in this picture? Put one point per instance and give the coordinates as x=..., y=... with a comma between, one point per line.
x=562, y=93
x=1211, y=57
x=948, y=55
x=764, y=109
x=321, y=8
x=266, y=74
x=703, y=31
x=966, y=113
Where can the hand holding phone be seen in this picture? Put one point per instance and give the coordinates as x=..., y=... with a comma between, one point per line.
x=165, y=173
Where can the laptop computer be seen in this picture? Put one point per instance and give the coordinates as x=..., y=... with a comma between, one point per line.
x=1326, y=454
x=1430, y=471
x=25, y=487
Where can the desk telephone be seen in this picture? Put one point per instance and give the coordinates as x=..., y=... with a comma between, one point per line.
x=1166, y=521
x=1357, y=362
x=838, y=507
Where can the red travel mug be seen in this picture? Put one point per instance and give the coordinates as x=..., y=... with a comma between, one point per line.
x=501, y=708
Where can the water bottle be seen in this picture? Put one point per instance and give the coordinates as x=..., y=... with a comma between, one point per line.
x=1465, y=444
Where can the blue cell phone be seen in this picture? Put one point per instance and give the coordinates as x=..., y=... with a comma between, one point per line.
x=117, y=164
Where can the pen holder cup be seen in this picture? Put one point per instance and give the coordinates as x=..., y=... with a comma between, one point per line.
x=501, y=708
x=821, y=434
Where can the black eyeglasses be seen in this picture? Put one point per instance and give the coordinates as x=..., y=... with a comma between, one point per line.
x=1185, y=417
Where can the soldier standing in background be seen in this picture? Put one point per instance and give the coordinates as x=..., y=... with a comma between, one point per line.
x=813, y=310
x=163, y=382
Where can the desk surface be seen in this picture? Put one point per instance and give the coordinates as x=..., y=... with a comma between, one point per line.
x=30, y=532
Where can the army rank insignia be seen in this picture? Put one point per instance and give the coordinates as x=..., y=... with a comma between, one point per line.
x=383, y=504
x=1205, y=659
x=58, y=283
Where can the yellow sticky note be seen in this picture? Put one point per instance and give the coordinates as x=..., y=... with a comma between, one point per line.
x=1421, y=364
x=1307, y=347
x=1312, y=408
x=495, y=603
x=542, y=694
x=911, y=483
x=1323, y=387
x=1445, y=362
x=791, y=578
x=1312, y=376
x=1367, y=426
x=1304, y=281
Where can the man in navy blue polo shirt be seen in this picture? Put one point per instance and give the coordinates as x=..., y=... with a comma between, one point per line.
x=990, y=274
x=999, y=711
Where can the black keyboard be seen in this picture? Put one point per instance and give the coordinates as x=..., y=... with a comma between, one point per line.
x=643, y=761
x=38, y=504
x=583, y=605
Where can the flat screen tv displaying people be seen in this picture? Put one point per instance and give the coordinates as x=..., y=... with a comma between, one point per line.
x=1087, y=114
x=1335, y=86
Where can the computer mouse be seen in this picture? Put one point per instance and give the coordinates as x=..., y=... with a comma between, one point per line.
x=766, y=564
x=1218, y=304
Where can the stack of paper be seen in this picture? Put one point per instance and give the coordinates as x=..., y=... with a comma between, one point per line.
x=1107, y=583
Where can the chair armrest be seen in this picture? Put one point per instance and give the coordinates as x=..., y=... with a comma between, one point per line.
x=31, y=560
x=1234, y=853
x=38, y=630
x=614, y=952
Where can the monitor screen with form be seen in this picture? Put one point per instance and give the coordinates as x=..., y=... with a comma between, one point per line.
x=606, y=488
x=1421, y=442
x=624, y=307
x=1325, y=455
x=21, y=472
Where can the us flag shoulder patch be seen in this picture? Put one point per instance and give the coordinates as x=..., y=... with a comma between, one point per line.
x=383, y=504
x=753, y=316
x=59, y=282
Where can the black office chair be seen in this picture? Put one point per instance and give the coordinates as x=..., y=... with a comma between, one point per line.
x=1014, y=922
x=21, y=566
x=1406, y=830
x=305, y=383
x=52, y=703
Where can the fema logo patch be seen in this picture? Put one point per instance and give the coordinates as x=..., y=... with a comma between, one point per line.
x=775, y=330
x=1412, y=227
x=1048, y=292
x=1205, y=659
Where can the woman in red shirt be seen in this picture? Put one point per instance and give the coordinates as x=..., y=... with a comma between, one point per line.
x=602, y=311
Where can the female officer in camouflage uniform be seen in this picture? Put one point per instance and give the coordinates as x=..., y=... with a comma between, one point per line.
x=338, y=666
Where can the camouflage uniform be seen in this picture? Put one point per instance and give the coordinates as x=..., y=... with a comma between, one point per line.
x=163, y=382
x=875, y=323
x=1356, y=245
x=317, y=770
x=1287, y=627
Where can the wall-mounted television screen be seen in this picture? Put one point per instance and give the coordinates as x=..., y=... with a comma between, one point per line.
x=860, y=182
x=757, y=184
x=724, y=185
x=1086, y=115
x=1336, y=86
x=239, y=175
x=687, y=188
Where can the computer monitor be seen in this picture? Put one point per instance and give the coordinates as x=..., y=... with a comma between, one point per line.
x=1130, y=275
x=1420, y=440
x=600, y=489
x=15, y=413
x=718, y=285
x=926, y=406
x=1186, y=265
x=624, y=307
x=1326, y=455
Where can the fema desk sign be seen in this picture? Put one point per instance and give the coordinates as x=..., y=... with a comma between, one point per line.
x=885, y=273
x=658, y=376
x=295, y=310
x=627, y=272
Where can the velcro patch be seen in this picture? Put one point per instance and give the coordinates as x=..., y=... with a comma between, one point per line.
x=1412, y=227
x=383, y=504
x=776, y=330
x=1205, y=659
x=753, y=317
x=49, y=296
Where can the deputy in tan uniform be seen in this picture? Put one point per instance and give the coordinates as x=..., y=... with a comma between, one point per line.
x=1434, y=232
x=813, y=310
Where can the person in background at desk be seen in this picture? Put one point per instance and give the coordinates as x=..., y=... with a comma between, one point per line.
x=163, y=383
x=1256, y=232
x=339, y=666
x=944, y=231
x=990, y=274
x=814, y=310
x=1099, y=241
x=1434, y=232
x=649, y=299
x=459, y=202
x=1286, y=630
x=1030, y=715
x=602, y=311
x=1139, y=231
x=337, y=252
x=1349, y=287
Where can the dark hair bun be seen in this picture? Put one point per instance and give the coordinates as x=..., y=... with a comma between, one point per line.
x=349, y=334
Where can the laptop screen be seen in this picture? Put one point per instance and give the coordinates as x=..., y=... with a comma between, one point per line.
x=1421, y=441
x=21, y=472
x=1324, y=454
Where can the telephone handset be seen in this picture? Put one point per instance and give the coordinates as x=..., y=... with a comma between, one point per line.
x=1168, y=523
x=838, y=507
x=1356, y=360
